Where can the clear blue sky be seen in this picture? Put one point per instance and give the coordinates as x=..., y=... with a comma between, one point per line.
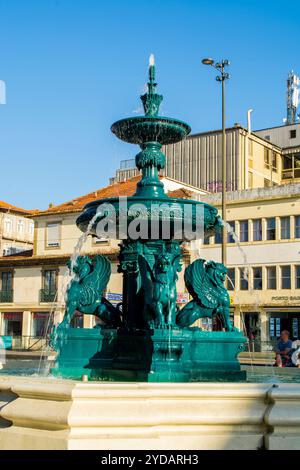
x=72, y=67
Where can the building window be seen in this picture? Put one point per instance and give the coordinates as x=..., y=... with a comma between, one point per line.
x=271, y=277
x=297, y=277
x=266, y=157
x=267, y=137
x=7, y=224
x=257, y=278
x=285, y=277
x=206, y=240
x=53, y=234
x=250, y=147
x=49, y=285
x=243, y=279
x=250, y=180
x=297, y=226
x=230, y=231
x=244, y=230
x=42, y=323
x=20, y=227
x=257, y=230
x=31, y=229
x=99, y=241
x=231, y=279
x=6, y=287
x=271, y=228
x=274, y=161
x=293, y=134
x=218, y=236
x=285, y=232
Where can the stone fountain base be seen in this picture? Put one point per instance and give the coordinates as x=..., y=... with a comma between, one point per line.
x=158, y=355
x=40, y=414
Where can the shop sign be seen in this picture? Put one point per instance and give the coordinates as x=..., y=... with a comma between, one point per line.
x=42, y=315
x=12, y=316
x=114, y=297
x=291, y=298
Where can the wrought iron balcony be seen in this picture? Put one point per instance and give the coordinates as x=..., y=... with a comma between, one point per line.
x=47, y=295
x=6, y=296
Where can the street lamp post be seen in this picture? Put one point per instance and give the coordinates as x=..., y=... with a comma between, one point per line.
x=220, y=66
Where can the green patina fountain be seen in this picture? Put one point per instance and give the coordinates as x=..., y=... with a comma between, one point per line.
x=148, y=338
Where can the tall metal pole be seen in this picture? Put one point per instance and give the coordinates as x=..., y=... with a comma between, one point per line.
x=224, y=175
x=220, y=66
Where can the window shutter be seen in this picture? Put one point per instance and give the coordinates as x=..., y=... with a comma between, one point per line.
x=53, y=234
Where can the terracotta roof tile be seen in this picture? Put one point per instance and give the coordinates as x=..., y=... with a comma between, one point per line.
x=181, y=193
x=123, y=188
x=9, y=207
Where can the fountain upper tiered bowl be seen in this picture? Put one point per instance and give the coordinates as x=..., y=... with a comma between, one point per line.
x=141, y=129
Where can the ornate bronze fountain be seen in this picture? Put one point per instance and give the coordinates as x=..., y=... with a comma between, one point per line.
x=148, y=338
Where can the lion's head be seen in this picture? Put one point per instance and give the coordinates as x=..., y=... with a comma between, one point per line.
x=216, y=271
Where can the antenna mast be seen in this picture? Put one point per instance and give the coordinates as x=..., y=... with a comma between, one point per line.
x=293, y=83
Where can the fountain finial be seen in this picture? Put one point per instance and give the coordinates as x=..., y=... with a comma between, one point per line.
x=151, y=100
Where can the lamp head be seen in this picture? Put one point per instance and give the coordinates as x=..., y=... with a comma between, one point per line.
x=207, y=61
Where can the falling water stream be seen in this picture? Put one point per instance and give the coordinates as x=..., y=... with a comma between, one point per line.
x=60, y=300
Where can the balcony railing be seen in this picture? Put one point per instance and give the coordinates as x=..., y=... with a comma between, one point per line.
x=47, y=296
x=26, y=343
x=6, y=296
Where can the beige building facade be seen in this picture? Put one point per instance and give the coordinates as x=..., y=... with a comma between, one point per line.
x=264, y=265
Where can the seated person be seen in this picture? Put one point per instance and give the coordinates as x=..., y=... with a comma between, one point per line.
x=284, y=350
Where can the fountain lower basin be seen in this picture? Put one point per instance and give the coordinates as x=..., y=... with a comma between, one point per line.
x=40, y=414
x=158, y=355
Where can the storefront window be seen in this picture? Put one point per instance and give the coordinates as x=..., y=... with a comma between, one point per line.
x=289, y=321
x=271, y=277
x=42, y=324
x=285, y=277
x=12, y=324
x=257, y=278
x=252, y=326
